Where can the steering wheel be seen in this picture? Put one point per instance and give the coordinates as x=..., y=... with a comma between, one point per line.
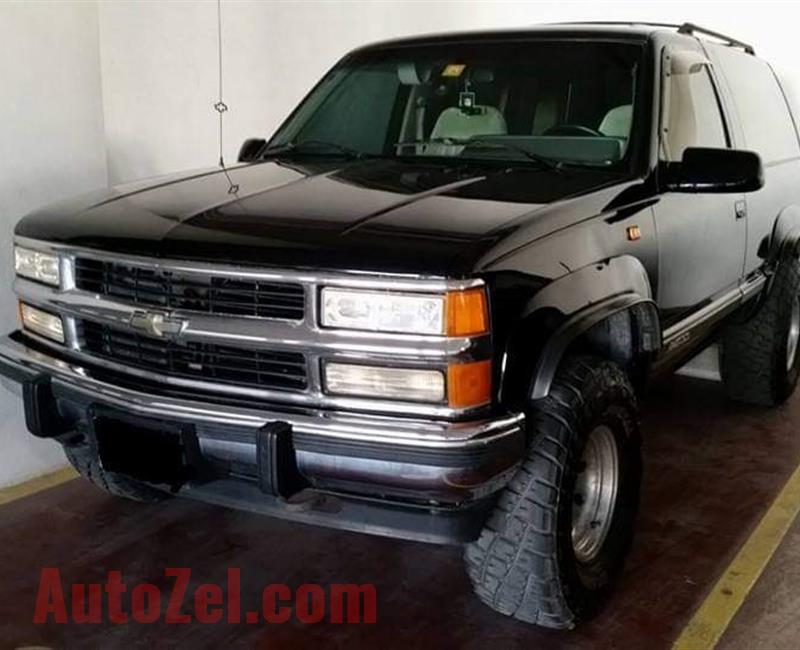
x=573, y=129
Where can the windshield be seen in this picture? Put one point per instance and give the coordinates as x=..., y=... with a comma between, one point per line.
x=535, y=102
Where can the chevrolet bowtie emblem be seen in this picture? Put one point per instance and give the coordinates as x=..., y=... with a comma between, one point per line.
x=158, y=324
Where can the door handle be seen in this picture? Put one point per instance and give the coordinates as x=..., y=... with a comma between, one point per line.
x=741, y=209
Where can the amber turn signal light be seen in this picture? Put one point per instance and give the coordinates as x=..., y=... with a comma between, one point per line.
x=469, y=384
x=467, y=312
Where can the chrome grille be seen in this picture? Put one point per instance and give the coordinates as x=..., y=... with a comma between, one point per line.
x=226, y=342
x=222, y=364
x=171, y=289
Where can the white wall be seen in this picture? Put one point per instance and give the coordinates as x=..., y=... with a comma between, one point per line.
x=160, y=68
x=51, y=146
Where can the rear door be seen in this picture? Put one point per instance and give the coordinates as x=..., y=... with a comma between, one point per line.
x=701, y=237
x=766, y=127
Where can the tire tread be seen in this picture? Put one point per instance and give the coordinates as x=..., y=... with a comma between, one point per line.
x=751, y=353
x=527, y=583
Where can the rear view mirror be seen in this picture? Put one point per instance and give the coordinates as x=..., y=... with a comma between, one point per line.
x=250, y=149
x=716, y=171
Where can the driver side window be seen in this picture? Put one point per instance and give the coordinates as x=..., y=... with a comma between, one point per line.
x=694, y=117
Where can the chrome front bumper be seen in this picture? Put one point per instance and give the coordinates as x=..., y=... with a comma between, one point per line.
x=388, y=457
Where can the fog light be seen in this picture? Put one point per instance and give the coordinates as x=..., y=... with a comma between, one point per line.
x=407, y=384
x=41, y=322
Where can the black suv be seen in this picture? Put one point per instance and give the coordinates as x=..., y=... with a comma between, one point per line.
x=425, y=307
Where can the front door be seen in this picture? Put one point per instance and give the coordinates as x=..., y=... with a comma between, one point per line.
x=701, y=237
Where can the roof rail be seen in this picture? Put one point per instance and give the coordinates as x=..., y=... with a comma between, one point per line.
x=692, y=29
x=618, y=22
x=689, y=29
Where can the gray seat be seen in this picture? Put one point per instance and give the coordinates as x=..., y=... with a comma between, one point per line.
x=460, y=125
x=617, y=122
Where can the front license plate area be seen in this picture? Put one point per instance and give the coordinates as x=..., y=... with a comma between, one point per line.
x=147, y=450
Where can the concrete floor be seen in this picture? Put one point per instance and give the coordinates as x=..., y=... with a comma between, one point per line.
x=768, y=618
x=711, y=470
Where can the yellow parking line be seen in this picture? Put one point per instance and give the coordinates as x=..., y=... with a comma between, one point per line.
x=710, y=621
x=9, y=494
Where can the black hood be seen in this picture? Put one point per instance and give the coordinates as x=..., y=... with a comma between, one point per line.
x=387, y=215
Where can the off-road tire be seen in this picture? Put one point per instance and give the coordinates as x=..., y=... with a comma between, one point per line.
x=753, y=355
x=88, y=466
x=523, y=564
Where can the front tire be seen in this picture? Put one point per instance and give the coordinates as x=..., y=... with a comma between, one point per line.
x=759, y=359
x=555, y=543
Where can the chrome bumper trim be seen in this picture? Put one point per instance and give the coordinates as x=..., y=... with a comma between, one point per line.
x=415, y=432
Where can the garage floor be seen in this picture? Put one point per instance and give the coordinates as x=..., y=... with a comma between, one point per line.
x=712, y=469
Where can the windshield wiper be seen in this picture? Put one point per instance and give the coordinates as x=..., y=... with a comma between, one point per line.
x=311, y=147
x=548, y=163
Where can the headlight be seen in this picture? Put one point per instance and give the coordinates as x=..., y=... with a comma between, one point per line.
x=383, y=312
x=458, y=313
x=42, y=267
x=391, y=383
x=42, y=322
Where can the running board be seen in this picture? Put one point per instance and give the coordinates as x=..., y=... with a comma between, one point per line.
x=692, y=331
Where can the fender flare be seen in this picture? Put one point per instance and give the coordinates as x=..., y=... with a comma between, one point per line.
x=589, y=296
x=785, y=236
x=643, y=310
x=591, y=284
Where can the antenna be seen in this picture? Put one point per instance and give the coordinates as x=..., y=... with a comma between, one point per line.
x=220, y=106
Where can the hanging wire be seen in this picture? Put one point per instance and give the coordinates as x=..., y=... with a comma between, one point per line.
x=220, y=106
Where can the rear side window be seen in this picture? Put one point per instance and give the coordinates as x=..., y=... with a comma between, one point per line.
x=761, y=105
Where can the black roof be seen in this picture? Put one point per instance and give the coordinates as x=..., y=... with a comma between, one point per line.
x=633, y=32
x=636, y=31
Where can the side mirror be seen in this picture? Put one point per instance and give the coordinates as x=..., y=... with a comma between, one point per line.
x=250, y=148
x=717, y=171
